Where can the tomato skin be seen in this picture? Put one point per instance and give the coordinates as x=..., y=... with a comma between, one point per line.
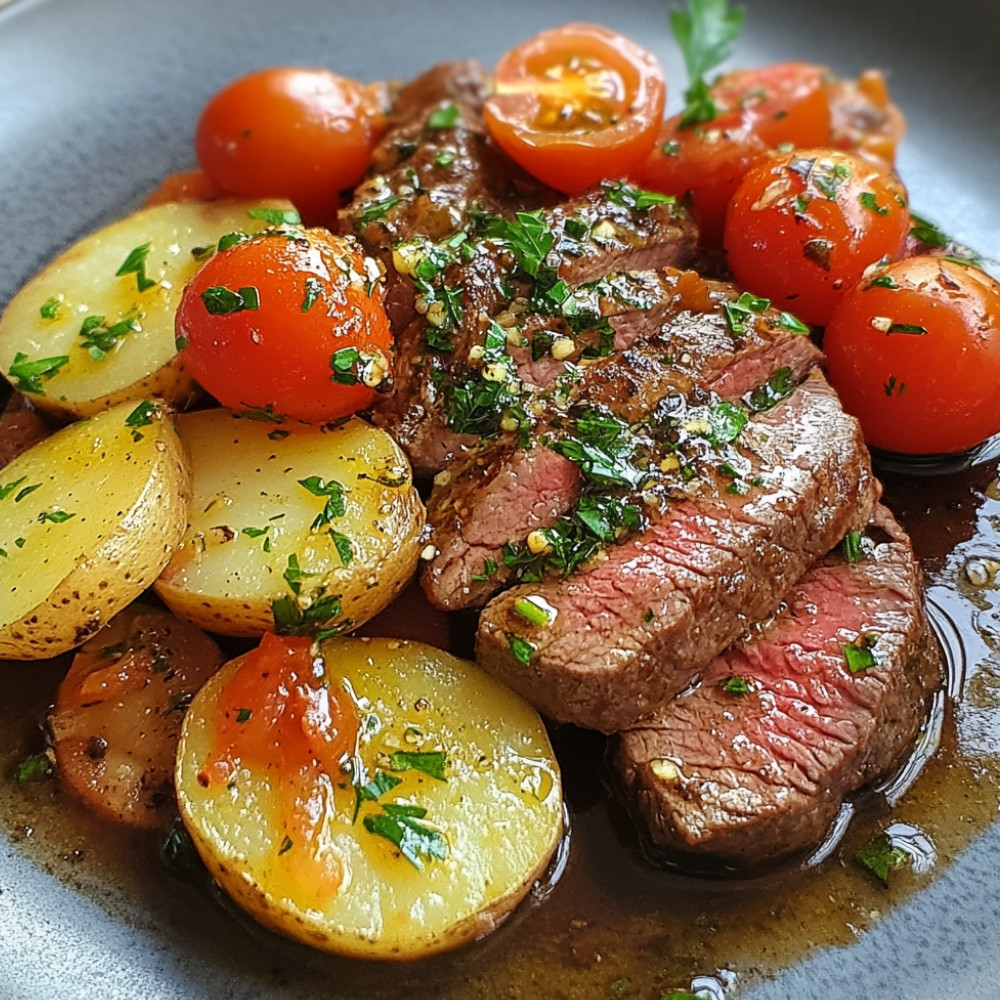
x=779, y=103
x=279, y=356
x=614, y=87
x=702, y=166
x=301, y=134
x=758, y=109
x=803, y=227
x=919, y=393
x=864, y=118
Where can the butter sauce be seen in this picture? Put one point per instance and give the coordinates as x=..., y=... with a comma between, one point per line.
x=609, y=925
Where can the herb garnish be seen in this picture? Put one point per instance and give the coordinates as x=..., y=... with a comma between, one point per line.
x=705, y=32
x=135, y=263
x=402, y=825
x=27, y=375
x=880, y=857
x=432, y=762
x=221, y=301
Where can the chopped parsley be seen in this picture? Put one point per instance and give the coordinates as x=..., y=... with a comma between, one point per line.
x=34, y=768
x=276, y=216
x=927, y=232
x=49, y=309
x=768, y=394
x=100, y=339
x=527, y=237
x=736, y=686
x=705, y=32
x=444, y=117
x=851, y=548
x=520, y=649
x=135, y=263
x=403, y=826
x=635, y=198
x=880, y=857
x=739, y=313
x=27, y=375
x=860, y=655
x=432, y=763
x=334, y=493
x=313, y=290
x=870, y=202
x=221, y=301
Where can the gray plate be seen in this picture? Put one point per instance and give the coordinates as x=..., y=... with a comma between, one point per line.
x=97, y=102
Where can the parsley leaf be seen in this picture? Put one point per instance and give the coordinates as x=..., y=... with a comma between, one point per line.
x=880, y=857
x=402, y=825
x=432, y=762
x=27, y=375
x=135, y=263
x=705, y=32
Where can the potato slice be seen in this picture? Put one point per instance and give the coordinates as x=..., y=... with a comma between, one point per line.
x=454, y=766
x=88, y=518
x=300, y=527
x=130, y=354
x=118, y=713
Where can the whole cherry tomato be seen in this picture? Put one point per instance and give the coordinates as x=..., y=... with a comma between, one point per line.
x=805, y=225
x=756, y=109
x=576, y=105
x=290, y=323
x=301, y=134
x=914, y=353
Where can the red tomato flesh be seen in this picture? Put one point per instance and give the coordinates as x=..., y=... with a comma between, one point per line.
x=577, y=105
x=914, y=353
x=288, y=322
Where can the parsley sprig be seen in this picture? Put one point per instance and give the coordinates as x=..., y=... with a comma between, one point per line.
x=705, y=32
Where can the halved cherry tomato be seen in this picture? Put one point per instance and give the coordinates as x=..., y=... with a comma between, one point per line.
x=290, y=322
x=803, y=227
x=757, y=109
x=914, y=353
x=301, y=134
x=576, y=105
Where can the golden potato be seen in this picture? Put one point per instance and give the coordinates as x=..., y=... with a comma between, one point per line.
x=438, y=805
x=292, y=526
x=88, y=519
x=96, y=327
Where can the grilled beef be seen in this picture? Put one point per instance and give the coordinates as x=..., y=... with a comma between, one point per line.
x=694, y=334
x=753, y=763
x=627, y=634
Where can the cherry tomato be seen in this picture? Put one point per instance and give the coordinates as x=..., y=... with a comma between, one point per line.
x=864, y=118
x=703, y=166
x=757, y=109
x=576, y=105
x=783, y=102
x=803, y=227
x=914, y=353
x=184, y=185
x=288, y=322
x=301, y=134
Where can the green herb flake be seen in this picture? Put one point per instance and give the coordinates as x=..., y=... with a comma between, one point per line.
x=334, y=493
x=705, y=32
x=860, y=655
x=927, y=232
x=883, y=281
x=739, y=313
x=376, y=210
x=344, y=547
x=851, y=548
x=736, y=686
x=286, y=845
x=444, y=158
x=35, y=768
x=344, y=365
x=276, y=216
x=135, y=263
x=313, y=290
x=444, y=117
x=870, y=202
x=432, y=763
x=909, y=328
x=55, y=516
x=141, y=416
x=671, y=148
x=27, y=375
x=222, y=301
x=880, y=857
x=243, y=714
x=520, y=649
x=402, y=826
x=532, y=612
x=792, y=323
x=49, y=309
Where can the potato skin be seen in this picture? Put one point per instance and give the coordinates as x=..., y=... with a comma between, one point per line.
x=251, y=515
x=118, y=714
x=127, y=491
x=499, y=807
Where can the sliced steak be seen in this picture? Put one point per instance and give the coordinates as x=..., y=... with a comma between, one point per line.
x=688, y=340
x=753, y=763
x=628, y=634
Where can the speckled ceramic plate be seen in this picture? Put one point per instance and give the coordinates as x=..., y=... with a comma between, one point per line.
x=98, y=100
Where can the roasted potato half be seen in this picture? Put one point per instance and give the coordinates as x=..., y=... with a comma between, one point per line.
x=438, y=807
x=88, y=519
x=96, y=326
x=119, y=709
x=295, y=527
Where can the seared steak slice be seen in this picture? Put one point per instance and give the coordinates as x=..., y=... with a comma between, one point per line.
x=754, y=762
x=626, y=635
x=499, y=494
x=690, y=341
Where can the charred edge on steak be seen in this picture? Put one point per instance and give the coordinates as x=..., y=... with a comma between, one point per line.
x=687, y=332
x=752, y=763
x=482, y=258
x=629, y=631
